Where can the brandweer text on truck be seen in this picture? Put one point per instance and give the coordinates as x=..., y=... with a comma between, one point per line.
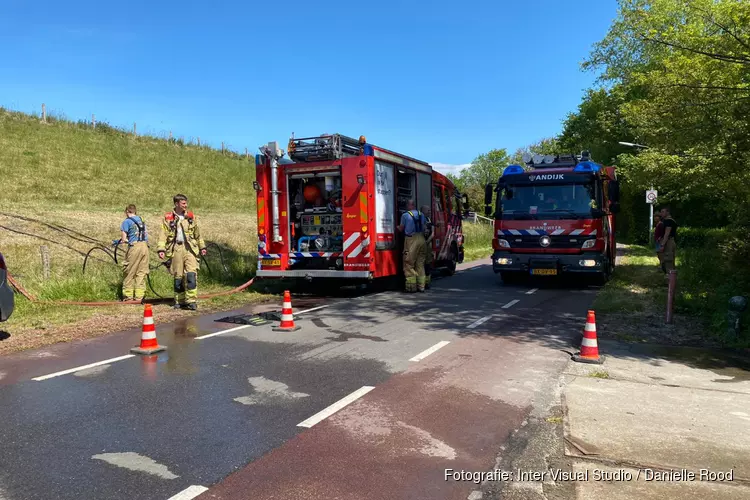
x=554, y=216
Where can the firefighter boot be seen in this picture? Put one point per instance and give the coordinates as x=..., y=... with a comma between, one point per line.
x=179, y=293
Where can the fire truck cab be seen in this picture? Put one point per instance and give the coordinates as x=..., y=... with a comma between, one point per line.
x=330, y=212
x=554, y=216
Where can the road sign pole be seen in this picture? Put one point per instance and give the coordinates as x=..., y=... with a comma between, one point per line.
x=651, y=223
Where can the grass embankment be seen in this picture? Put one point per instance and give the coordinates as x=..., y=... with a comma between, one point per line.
x=478, y=241
x=80, y=180
x=710, y=270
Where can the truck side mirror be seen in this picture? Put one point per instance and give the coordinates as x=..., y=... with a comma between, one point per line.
x=488, y=190
x=614, y=192
x=465, y=201
x=487, y=210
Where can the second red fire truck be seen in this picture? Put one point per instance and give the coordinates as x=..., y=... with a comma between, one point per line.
x=554, y=216
x=330, y=213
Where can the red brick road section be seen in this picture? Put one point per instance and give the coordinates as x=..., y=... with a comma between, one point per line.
x=451, y=411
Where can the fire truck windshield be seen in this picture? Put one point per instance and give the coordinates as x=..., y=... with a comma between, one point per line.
x=568, y=201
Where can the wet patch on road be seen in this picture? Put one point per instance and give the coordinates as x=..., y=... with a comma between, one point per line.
x=345, y=336
x=135, y=462
x=269, y=392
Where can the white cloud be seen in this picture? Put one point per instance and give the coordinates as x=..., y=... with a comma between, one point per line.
x=447, y=168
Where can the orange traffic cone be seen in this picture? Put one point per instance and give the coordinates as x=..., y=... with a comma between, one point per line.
x=589, y=347
x=149, y=344
x=287, y=316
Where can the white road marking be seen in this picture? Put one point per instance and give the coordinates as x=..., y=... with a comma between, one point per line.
x=427, y=352
x=133, y=461
x=531, y=291
x=89, y=372
x=511, y=303
x=222, y=332
x=65, y=372
x=269, y=391
x=338, y=405
x=311, y=310
x=189, y=493
x=479, y=322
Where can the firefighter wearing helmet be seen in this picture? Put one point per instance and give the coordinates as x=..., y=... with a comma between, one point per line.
x=180, y=241
x=413, y=223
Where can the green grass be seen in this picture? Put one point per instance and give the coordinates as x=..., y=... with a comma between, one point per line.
x=478, y=240
x=706, y=278
x=73, y=166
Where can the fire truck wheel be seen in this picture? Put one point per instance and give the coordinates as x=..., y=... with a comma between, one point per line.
x=450, y=268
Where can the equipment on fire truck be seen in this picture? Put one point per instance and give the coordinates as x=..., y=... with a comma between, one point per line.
x=325, y=147
x=274, y=154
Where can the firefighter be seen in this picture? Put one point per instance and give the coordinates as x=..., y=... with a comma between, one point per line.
x=668, y=247
x=135, y=265
x=412, y=225
x=180, y=241
x=429, y=234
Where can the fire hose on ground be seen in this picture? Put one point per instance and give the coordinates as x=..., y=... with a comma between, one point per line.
x=114, y=258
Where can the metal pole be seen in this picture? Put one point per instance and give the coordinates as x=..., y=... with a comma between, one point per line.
x=670, y=296
x=271, y=153
x=651, y=221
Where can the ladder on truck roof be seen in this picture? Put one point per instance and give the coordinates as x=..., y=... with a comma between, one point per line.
x=323, y=147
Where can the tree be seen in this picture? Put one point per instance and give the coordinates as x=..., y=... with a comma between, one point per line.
x=679, y=71
x=485, y=168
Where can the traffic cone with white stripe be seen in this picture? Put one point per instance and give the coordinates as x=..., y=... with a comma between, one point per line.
x=149, y=344
x=589, y=347
x=287, y=316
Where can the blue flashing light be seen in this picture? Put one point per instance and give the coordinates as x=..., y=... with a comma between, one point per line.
x=587, y=166
x=513, y=169
x=368, y=151
x=258, y=159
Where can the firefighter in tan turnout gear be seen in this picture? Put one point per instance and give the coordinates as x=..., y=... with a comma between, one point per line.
x=180, y=241
x=135, y=265
x=412, y=224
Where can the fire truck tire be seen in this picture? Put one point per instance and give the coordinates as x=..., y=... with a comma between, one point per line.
x=450, y=268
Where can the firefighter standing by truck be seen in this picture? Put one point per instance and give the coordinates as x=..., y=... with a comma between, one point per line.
x=412, y=225
x=135, y=265
x=429, y=233
x=180, y=241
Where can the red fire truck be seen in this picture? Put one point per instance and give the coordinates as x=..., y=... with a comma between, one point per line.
x=554, y=216
x=330, y=213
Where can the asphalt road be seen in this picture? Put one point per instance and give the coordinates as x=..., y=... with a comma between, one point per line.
x=437, y=381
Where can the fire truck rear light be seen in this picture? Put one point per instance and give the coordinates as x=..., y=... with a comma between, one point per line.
x=504, y=261
x=256, y=186
x=587, y=263
x=513, y=169
x=503, y=243
x=589, y=243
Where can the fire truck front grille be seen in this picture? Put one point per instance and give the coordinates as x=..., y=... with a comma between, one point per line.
x=533, y=242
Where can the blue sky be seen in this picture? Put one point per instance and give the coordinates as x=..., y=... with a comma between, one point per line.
x=441, y=81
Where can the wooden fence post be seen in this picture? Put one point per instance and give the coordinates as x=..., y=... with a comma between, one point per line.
x=93, y=120
x=222, y=147
x=135, y=133
x=44, y=113
x=170, y=135
x=199, y=142
x=45, y=261
x=247, y=155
